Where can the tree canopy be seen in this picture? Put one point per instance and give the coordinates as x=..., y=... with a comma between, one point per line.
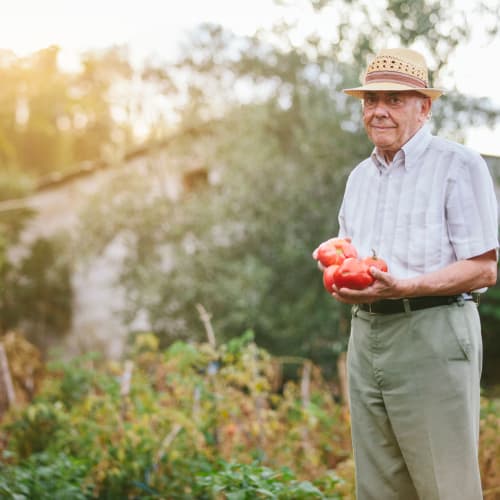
x=279, y=138
x=282, y=141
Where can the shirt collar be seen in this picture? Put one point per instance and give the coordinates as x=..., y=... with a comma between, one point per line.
x=409, y=153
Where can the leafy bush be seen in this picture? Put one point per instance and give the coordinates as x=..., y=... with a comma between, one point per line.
x=36, y=293
x=489, y=450
x=249, y=482
x=41, y=426
x=189, y=422
x=45, y=476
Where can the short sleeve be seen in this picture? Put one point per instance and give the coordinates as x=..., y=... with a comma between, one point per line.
x=472, y=209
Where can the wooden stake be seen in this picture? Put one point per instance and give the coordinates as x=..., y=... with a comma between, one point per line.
x=205, y=318
x=6, y=377
x=125, y=383
x=126, y=378
x=305, y=383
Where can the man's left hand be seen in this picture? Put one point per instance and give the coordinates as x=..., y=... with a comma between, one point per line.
x=385, y=286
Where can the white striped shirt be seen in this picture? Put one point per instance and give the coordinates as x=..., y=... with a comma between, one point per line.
x=435, y=204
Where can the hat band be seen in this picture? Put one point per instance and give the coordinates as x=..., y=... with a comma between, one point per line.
x=394, y=77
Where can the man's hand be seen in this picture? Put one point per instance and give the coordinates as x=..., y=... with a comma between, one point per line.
x=461, y=276
x=385, y=286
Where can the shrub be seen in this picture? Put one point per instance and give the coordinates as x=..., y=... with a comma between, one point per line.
x=45, y=476
x=195, y=422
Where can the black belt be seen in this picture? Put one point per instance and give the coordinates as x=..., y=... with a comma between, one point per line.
x=414, y=303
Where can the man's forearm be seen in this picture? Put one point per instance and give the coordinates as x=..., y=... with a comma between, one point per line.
x=459, y=277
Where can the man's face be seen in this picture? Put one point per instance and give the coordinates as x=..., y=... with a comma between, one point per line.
x=392, y=118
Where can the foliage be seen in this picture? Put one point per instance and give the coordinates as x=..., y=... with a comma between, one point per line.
x=196, y=422
x=25, y=366
x=35, y=291
x=489, y=451
x=245, y=254
x=188, y=421
x=44, y=476
x=52, y=119
x=14, y=183
x=292, y=58
x=246, y=482
x=276, y=168
x=265, y=117
x=43, y=426
x=489, y=310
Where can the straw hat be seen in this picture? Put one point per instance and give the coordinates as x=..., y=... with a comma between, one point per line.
x=396, y=70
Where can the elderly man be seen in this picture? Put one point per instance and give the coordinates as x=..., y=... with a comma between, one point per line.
x=428, y=208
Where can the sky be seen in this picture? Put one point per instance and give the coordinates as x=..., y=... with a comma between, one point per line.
x=157, y=27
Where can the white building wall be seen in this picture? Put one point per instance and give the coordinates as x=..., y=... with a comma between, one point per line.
x=98, y=302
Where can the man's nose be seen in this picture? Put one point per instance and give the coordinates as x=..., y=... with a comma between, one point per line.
x=380, y=109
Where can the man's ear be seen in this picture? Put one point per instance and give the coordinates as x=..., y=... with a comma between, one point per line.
x=426, y=105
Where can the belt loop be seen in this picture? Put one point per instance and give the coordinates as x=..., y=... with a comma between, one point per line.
x=460, y=300
x=406, y=305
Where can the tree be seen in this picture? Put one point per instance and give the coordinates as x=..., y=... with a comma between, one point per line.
x=35, y=289
x=51, y=119
x=282, y=140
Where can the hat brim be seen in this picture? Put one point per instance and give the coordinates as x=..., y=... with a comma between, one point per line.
x=359, y=92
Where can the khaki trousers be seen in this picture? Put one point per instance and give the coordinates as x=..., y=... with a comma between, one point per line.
x=414, y=401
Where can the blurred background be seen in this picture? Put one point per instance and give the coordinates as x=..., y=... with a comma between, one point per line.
x=159, y=157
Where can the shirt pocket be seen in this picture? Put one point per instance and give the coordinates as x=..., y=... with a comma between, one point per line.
x=418, y=238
